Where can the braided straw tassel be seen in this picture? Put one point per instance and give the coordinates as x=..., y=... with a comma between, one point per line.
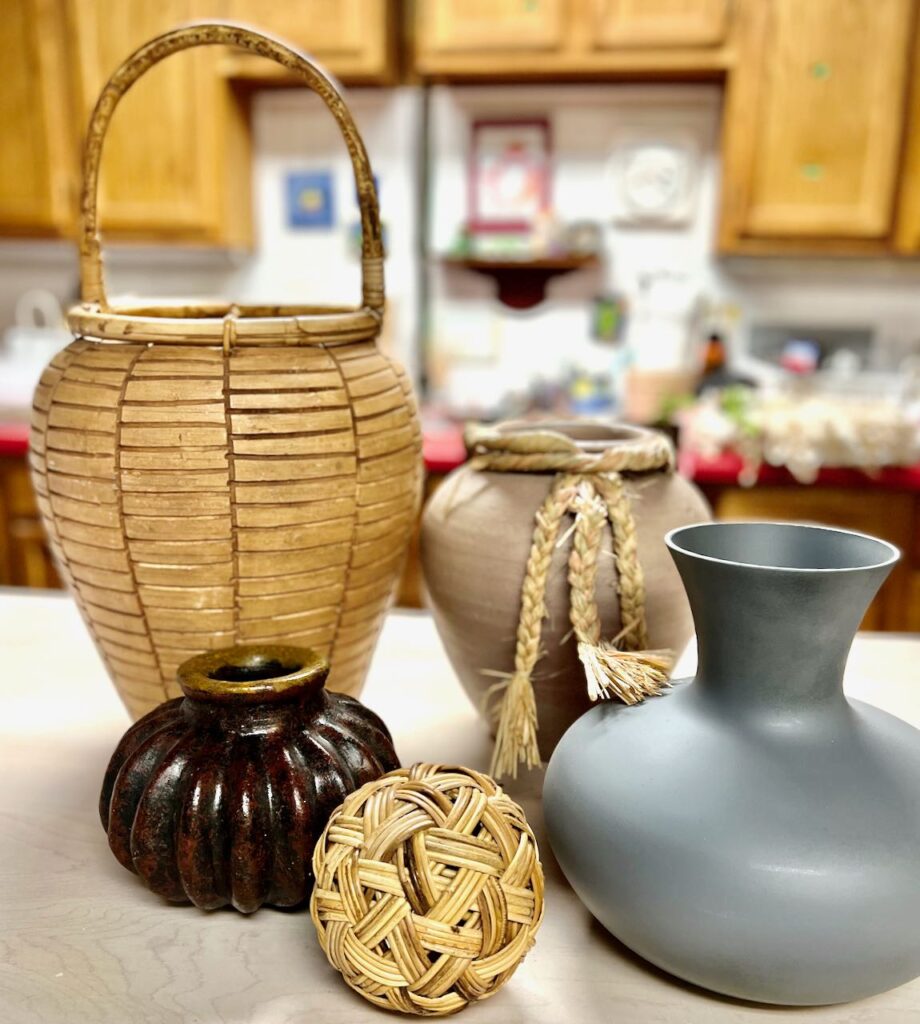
x=589, y=485
x=630, y=676
x=631, y=671
x=516, y=737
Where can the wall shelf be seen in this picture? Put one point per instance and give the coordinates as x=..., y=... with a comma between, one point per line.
x=521, y=283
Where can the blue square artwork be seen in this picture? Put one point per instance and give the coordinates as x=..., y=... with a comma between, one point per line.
x=309, y=199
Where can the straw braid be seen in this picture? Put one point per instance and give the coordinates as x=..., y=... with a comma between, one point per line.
x=590, y=518
x=593, y=490
x=516, y=737
x=630, y=577
x=542, y=450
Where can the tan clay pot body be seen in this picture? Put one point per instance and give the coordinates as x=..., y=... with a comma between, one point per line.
x=476, y=536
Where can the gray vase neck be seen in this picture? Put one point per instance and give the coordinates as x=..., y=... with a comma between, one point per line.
x=776, y=608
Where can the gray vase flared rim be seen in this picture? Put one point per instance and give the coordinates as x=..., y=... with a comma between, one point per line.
x=848, y=540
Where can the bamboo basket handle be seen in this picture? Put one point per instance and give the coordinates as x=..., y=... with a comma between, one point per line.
x=92, y=277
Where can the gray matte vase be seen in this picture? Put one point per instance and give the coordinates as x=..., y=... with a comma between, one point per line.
x=754, y=831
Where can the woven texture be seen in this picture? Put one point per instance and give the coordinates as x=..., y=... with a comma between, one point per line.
x=429, y=889
x=195, y=500
x=212, y=475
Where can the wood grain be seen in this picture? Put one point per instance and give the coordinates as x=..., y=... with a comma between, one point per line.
x=180, y=185
x=508, y=39
x=812, y=130
x=650, y=23
x=37, y=159
x=353, y=38
x=907, y=220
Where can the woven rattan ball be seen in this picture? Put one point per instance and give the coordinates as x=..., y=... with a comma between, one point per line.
x=429, y=889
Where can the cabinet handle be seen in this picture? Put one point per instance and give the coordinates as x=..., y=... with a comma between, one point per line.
x=92, y=277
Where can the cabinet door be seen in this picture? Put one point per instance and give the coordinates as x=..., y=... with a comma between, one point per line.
x=25, y=560
x=351, y=38
x=814, y=120
x=165, y=169
x=37, y=156
x=461, y=26
x=907, y=227
x=650, y=23
x=886, y=514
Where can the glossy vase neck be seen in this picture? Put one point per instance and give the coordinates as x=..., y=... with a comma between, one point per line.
x=253, y=675
x=776, y=607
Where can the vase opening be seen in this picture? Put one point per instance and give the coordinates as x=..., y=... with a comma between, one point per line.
x=253, y=672
x=258, y=670
x=786, y=546
x=588, y=435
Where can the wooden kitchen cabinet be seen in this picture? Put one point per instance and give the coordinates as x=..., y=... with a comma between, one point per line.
x=501, y=39
x=175, y=163
x=37, y=159
x=813, y=125
x=471, y=26
x=640, y=23
x=907, y=226
x=353, y=39
x=25, y=560
x=892, y=515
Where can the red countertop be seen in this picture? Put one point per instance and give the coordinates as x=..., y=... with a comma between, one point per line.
x=444, y=451
x=723, y=470
x=14, y=439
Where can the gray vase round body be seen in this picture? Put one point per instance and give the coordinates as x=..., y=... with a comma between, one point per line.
x=753, y=830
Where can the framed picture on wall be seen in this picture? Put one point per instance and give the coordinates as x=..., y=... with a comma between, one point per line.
x=509, y=174
x=309, y=199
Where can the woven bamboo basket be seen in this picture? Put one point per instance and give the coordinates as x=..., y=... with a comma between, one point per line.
x=209, y=474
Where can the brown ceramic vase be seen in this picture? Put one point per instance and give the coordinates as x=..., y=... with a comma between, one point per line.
x=475, y=540
x=220, y=796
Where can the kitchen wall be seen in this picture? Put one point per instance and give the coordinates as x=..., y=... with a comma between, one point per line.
x=486, y=347
x=292, y=132
x=588, y=123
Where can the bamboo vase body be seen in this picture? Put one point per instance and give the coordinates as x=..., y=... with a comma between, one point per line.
x=752, y=830
x=189, y=509
x=476, y=538
x=211, y=475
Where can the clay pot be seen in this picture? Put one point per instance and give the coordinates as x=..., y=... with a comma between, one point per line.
x=753, y=830
x=475, y=539
x=220, y=796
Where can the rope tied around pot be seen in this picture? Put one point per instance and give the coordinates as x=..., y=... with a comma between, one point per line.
x=588, y=485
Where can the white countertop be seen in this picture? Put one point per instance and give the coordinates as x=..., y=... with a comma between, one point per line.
x=82, y=942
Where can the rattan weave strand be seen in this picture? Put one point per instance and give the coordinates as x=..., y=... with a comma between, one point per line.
x=429, y=889
x=217, y=474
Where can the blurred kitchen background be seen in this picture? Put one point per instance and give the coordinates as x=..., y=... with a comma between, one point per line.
x=698, y=214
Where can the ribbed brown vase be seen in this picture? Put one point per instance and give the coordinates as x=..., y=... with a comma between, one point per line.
x=476, y=537
x=217, y=474
x=219, y=797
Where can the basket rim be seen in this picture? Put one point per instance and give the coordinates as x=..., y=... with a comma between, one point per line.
x=206, y=323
